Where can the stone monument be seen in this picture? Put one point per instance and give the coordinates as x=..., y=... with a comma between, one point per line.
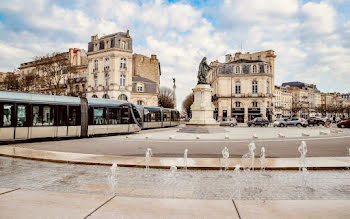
x=202, y=107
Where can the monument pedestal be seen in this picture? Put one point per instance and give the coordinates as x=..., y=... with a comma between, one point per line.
x=202, y=107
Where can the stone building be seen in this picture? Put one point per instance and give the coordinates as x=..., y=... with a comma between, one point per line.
x=305, y=96
x=2, y=79
x=282, y=102
x=115, y=73
x=345, y=96
x=243, y=86
x=145, y=80
x=74, y=85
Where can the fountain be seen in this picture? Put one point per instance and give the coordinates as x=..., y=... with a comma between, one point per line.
x=112, y=179
x=173, y=169
x=148, y=158
x=237, y=173
x=185, y=159
x=251, y=154
x=302, y=150
x=225, y=156
x=262, y=159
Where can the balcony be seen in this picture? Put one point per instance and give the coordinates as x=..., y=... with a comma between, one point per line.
x=105, y=88
x=123, y=68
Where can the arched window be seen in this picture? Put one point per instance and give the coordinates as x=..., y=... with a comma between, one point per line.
x=122, y=97
x=122, y=80
x=238, y=70
x=105, y=96
x=254, y=87
x=94, y=96
x=238, y=104
x=255, y=104
x=238, y=87
x=254, y=69
x=122, y=45
x=123, y=63
x=139, y=102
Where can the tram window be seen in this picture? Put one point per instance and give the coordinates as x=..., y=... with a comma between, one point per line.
x=157, y=116
x=21, y=115
x=166, y=116
x=125, y=115
x=114, y=116
x=74, y=115
x=37, y=116
x=7, y=110
x=100, y=116
x=136, y=115
x=62, y=115
x=48, y=115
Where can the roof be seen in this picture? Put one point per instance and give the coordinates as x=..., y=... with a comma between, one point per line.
x=245, y=61
x=149, y=85
x=6, y=96
x=142, y=79
x=294, y=84
x=121, y=34
x=95, y=102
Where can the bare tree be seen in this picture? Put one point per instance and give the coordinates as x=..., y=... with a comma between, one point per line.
x=54, y=71
x=11, y=82
x=166, y=98
x=186, y=104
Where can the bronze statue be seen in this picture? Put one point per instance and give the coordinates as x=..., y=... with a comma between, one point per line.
x=203, y=70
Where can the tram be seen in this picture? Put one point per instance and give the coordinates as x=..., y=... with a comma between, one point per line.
x=26, y=116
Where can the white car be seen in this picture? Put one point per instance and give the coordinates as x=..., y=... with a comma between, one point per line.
x=228, y=122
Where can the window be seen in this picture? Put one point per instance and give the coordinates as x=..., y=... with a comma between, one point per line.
x=122, y=45
x=139, y=88
x=48, y=115
x=224, y=113
x=100, y=116
x=105, y=96
x=37, y=117
x=114, y=116
x=62, y=115
x=139, y=102
x=123, y=63
x=107, y=64
x=238, y=104
x=106, y=81
x=21, y=115
x=238, y=87
x=84, y=73
x=254, y=87
x=254, y=69
x=96, y=65
x=122, y=97
x=268, y=87
x=95, y=82
x=122, y=80
x=94, y=96
x=7, y=114
x=238, y=70
x=77, y=88
x=84, y=87
x=255, y=104
x=74, y=116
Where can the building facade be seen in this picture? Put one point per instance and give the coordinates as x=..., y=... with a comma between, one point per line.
x=115, y=73
x=282, y=102
x=243, y=86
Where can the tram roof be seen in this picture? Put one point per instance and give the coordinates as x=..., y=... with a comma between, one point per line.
x=95, y=102
x=8, y=96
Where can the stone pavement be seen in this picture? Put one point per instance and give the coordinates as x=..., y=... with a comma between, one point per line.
x=23, y=203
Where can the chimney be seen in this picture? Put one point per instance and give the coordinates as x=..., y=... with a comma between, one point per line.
x=94, y=37
x=228, y=57
x=153, y=57
x=127, y=33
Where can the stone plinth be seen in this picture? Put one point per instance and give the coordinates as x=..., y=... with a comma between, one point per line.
x=202, y=107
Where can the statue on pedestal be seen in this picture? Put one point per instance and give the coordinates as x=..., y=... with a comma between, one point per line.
x=203, y=70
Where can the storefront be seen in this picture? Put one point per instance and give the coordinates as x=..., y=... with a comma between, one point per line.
x=238, y=113
x=253, y=113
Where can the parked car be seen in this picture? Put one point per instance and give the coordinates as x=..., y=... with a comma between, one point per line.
x=228, y=122
x=315, y=121
x=294, y=121
x=280, y=123
x=344, y=124
x=258, y=121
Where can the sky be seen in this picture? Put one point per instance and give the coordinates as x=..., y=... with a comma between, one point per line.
x=310, y=38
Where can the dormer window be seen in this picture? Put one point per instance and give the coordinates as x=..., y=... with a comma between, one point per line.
x=140, y=88
x=254, y=69
x=238, y=70
x=122, y=45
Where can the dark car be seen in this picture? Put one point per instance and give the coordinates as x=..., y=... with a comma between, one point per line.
x=315, y=121
x=344, y=124
x=258, y=121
